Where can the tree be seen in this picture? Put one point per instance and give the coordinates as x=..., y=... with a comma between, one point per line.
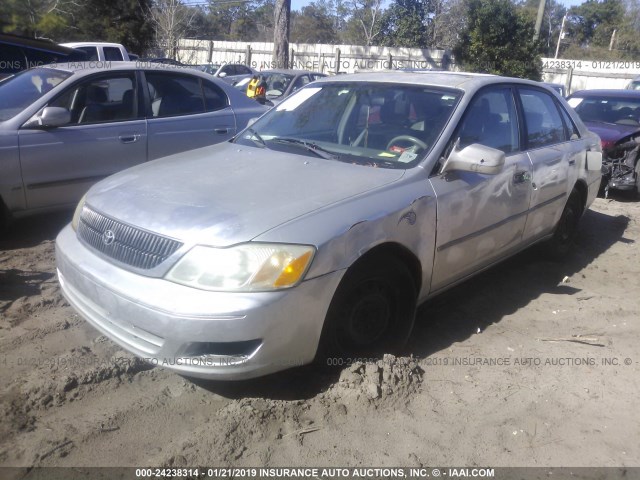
x=592, y=25
x=313, y=24
x=593, y=22
x=281, y=33
x=37, y=18
x=171, y=21
x=551, y=23
x=118, y=21
x=498, y=39
x=409, y=23
x=365, y=21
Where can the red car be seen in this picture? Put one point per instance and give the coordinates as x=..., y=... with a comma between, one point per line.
x=615, y=116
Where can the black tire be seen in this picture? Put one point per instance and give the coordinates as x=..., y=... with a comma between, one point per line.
x=372, y=312
x=560, y=244
x=4, y=218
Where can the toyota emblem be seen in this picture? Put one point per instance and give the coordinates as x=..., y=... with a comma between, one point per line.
x=108, y=237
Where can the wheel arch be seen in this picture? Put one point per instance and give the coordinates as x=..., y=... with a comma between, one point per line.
x=397, y=251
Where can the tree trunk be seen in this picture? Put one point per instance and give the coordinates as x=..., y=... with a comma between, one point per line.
x=281, y=34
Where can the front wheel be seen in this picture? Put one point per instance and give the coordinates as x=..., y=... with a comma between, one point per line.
x=372, y=312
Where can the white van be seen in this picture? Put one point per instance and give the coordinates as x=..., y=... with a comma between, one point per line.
x=101, y=51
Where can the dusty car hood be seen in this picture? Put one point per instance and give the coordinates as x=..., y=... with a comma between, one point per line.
x=228, y=193
x=611, y=132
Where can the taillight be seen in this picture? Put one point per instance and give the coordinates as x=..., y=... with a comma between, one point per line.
x=607, y=144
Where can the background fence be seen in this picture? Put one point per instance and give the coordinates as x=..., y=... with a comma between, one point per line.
x=574, y=74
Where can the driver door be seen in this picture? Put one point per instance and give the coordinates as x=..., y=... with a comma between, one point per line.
x=106, y=134
x=481, y=217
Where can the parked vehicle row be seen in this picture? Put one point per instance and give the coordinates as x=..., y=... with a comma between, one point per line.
x=64, y=128
x=317, y=231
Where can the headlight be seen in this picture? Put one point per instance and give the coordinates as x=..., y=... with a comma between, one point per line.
x=248, y=267
x=76, y=214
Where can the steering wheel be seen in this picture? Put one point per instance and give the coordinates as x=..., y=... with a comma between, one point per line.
x=407, y=138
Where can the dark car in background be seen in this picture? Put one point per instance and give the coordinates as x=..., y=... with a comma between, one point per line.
x=615, y=116
x=20, y=53
x=634, y=84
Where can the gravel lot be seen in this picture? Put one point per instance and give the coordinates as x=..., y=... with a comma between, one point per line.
x=532, y=363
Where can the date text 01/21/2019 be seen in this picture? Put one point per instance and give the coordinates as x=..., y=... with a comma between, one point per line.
x=592, y=65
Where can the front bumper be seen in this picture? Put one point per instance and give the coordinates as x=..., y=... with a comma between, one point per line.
x=165, y=323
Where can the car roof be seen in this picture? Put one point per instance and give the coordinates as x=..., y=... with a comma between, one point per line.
x=34, y=43
x=459, y=80
x=90, y=44
x=290, y=71
x=82, y=68
x=618, y=93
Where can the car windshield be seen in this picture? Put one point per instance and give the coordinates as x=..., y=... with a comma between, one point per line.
x=21, y=90
x=277, y=83
x=376, y=124
x=622, y=111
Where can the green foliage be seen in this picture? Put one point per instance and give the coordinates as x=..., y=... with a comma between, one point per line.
x=313, y=24
x=591, y=30
x=593, y=22
x=551, y=23
x=498, y=39
x=408, y=23
x=119, y=21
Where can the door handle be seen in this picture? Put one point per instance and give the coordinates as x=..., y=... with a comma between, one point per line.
x=129, y=138
x=221, y=131
x=521, y=177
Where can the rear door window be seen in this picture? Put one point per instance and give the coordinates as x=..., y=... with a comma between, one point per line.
x=113, y=54
x=542, y=119
x=92, y=52
x=174, y=94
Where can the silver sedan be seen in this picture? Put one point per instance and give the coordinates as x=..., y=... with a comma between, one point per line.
x=318, y=230
x=64, y=127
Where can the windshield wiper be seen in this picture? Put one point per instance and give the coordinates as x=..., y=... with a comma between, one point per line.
x=309, y=146
x=255, y=136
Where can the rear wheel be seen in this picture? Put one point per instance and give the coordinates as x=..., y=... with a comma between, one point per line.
x=565, y=232
x=4, y=218
x=372, y=312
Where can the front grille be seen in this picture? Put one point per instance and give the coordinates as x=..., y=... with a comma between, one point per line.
x=124, y=243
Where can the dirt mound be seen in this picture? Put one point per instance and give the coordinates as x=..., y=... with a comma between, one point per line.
x=390, y=379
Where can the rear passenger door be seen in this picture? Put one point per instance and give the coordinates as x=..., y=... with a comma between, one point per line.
x=555, y=149
x=185, y=112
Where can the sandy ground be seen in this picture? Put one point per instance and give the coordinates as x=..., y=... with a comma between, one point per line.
x=532, y=363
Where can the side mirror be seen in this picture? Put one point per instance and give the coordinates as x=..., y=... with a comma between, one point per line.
x=475, y=158
x=50, y=117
